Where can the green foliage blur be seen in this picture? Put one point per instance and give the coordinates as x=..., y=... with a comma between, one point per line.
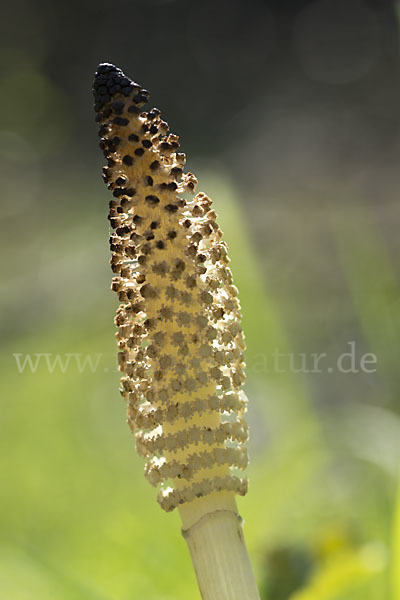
x=308, y=203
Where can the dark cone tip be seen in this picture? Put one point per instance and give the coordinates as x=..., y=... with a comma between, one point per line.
x=109, y=80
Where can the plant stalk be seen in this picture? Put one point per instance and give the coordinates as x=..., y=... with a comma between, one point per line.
x=218, y=550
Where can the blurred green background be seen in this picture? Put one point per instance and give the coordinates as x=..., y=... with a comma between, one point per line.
x=289, y=115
